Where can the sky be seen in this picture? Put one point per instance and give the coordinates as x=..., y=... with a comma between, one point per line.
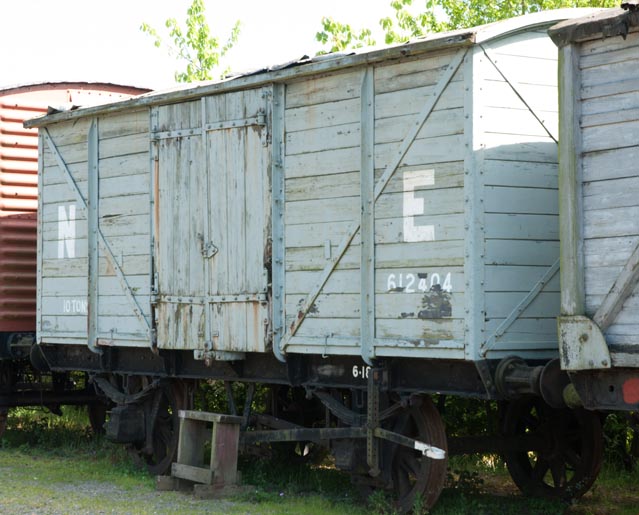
x=91, y=40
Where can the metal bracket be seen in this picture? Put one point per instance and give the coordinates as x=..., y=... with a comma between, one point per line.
x=210, y=356
x=582, y=345
x=427, y=450
x=209, y=250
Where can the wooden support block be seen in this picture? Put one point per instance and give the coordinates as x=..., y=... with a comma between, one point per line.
x=195, y=474
x=192, y=439
x=224, y=448
x=210, y=417
x=166, y=483
x=224, y=438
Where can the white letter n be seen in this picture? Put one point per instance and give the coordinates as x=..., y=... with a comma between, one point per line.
x=66, y=232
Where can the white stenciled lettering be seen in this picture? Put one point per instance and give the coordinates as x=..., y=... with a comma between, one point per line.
x=66, y=232
x=414, y=206
x=419, y=282
x=74, y=306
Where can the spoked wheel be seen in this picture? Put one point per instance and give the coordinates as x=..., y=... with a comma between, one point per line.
x=161, y=407
x=414, y=475
x=570, y=461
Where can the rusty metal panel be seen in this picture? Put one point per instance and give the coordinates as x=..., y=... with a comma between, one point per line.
x=18, y=206
x=213, y=210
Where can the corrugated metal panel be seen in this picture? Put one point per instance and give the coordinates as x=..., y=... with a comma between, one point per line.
x=18, y=206
x=19, y=188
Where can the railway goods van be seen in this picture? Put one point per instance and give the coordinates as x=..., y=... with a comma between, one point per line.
x=599, y=184
x=366, y=229
x=20, y=383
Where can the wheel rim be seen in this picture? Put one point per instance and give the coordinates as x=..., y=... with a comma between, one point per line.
x=166, y=403
x=414, y=475
x=569, y=463
x=165, y=429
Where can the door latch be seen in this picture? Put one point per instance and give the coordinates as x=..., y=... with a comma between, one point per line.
x=209, y=250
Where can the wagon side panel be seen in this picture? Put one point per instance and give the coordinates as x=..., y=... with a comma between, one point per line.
x=609, y=122
x=374, y=210
x=123, y=220
x=419, y=216
x=94, y=223
x=63, y=253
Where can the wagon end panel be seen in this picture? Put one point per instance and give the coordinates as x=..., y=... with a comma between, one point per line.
x=94, y=248
x=516, y=134
x=374, y=223
x=213, y=223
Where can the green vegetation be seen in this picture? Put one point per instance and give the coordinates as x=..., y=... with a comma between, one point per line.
x=52, y=464
x=408, y=21
x=194, y=45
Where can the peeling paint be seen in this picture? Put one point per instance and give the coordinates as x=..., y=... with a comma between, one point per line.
x=407, y=315
x=436, y=304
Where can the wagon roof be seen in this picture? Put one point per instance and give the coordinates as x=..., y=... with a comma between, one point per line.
x=30, y=86
x=602, y=24
x=323, y=64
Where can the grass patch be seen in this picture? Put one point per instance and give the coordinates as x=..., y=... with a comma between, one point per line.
x=51, y=464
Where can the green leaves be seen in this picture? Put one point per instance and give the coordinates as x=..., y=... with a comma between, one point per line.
x=194, y=44
x=339, y=37
x=408, y=21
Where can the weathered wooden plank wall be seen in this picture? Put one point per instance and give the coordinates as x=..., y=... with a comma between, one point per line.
x=322, y=170
x=518, y=112
x=213, y=189
x=123, y=210
x=609, y=122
